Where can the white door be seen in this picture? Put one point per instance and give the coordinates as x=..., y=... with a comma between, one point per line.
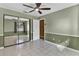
x=35, y=29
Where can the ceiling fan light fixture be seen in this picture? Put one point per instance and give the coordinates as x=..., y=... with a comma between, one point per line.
x=37, y=9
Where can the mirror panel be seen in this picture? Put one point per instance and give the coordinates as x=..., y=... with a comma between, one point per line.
x=16, y=30
x=23, y=29
x=10, y=36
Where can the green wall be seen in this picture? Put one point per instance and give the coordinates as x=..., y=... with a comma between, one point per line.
x=63, y=25
x=63, y=22
x=72, y=42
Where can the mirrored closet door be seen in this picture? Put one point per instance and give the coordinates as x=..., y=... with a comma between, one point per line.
x=16, y=30
x=10, y=31
x=23, y=30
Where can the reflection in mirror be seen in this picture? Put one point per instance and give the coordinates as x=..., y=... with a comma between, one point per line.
x=10, y=35
x=16, y=30
x=10, y=17
x=23, y=29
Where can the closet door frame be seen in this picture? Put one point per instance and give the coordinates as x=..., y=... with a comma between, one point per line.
x=30, y=31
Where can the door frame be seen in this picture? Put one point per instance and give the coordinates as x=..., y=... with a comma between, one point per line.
x=42, y=37
x=30, y=27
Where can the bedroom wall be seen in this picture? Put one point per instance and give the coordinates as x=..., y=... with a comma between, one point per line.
x=10, y=12
x=63, y=21
x=63, y=27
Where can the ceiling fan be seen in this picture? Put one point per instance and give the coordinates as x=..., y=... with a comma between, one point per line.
x=37, y=8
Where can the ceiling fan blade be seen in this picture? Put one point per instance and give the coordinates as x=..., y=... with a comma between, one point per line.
x=40, y=12
x=27, y=6
x=38, y=5
x=31, y=10
x=45, y=8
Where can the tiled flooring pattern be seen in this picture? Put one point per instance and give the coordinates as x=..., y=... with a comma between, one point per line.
x=36, y=48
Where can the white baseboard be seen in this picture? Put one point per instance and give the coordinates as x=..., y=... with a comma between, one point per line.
x=64, y=46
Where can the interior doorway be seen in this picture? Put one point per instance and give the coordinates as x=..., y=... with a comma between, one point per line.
x=41, y=29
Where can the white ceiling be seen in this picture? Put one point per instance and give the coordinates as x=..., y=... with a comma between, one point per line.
x=20, y=8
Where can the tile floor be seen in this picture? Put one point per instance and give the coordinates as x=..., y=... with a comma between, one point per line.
x=36, y=48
